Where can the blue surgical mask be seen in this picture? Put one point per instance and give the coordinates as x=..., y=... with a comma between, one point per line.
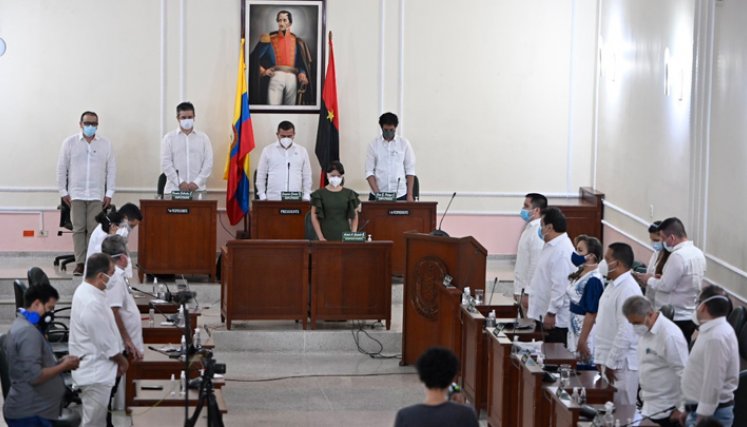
x=89, y=131
x=658, y=246
x=525, y=215
x=577, y=259
x=539, y=233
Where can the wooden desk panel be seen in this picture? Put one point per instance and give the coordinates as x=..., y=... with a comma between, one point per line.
x=159, y=333
x=265, y=279
x=165, y=398
x=275, y=219
x=535, y=409
x=390, y=220
x=502, y=375
x=155, y=366
x=351, y=281
x=165, y=417
x=177, y=237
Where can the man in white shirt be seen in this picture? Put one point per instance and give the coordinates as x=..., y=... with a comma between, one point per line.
x=132, y=217
x=712, y=372
x=86, y=172
x=94, y=338
x=529, y=247
x=283, y=166
x=682, y=276
x=390, y=162
x=662, y=356
x=615, y=345
x=548, y=302
x=123, y=305
x=186, y=154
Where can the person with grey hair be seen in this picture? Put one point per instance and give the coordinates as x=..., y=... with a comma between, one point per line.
x=123, y=305
x=662, y=356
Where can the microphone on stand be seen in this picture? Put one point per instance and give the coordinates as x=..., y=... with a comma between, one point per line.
x=288, y=177
x=132, y=288
x=396, y=192
x=438, y=231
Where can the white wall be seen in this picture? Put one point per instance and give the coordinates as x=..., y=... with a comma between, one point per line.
x=489, y=92
x=680, y=153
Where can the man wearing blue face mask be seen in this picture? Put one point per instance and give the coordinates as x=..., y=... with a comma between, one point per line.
x=86, y=172
x=530, y=245
x=682, y=275
x=186, y=154
x=712, y=372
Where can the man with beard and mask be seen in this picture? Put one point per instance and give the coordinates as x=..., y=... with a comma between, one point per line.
x=390, y=162
x=283, y=166
x=123, y=305
x=37, y=387
x=186, y=154
x=662, y=356
x=711, y=375
x=616, y=345
x=94, y=337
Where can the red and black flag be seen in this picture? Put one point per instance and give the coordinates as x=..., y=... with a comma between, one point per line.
x=328, y=135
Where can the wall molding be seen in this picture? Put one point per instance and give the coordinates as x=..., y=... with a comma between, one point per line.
x=626, y=234
x=622, y=211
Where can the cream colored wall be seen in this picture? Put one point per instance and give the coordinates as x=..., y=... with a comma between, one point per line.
x=680, y=153
x=489, y=92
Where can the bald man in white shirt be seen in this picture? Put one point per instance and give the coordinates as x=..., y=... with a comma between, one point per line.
x=186, y=154
x=86, y=172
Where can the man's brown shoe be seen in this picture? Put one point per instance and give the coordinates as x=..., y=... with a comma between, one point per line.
x=78, y=270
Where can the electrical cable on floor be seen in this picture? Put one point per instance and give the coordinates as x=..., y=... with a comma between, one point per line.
x=220, y=220
x=373, y=355
x=293, y=377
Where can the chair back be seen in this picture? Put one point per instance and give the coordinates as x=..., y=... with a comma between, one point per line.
x=667, y=311
x=737, y=319
x=37, y=276
x=4, y=368
x=19, y=289
x=161, y=185
x=740, y=401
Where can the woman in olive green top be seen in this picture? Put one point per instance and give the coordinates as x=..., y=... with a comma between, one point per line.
x=334, y=208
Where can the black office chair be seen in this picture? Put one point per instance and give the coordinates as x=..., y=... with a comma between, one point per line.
x=70, y=416
x=308, y=228
x=737, y=319
x=19, y=289
x=740, y=401
x=37, y=276
x=65, y=224
x=667, y=311
x=161, y=185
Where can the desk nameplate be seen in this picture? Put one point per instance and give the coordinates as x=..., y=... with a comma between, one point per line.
x=292, y=211
x=178, y=211
x=399, y=212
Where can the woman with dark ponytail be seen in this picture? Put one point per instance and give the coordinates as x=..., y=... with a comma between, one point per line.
x=109, y=223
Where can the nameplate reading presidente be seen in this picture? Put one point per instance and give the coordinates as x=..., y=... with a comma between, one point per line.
x=178, y=211
x=354, y=236
x=290, y=211
x=399, y=212
x=181, y=195
x=290, y=195
x=385, y=196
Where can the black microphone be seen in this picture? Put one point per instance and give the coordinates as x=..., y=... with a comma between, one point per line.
x=155, y=307
x=167, y=297
x=288, y=177
x=438, y=231
x=132, y=288
x=396, y=192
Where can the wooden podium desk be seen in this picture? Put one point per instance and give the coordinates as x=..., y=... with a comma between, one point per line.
x=165, y=333
x=177, y=237
x=165, y=398
x=155, y=366
x=563, y=411
x=625, y=414
x=275, y=219
x=351, y=281
x=534, y=408
x=583, y=214
x=265, y=280
x=474, y=358
x=430, y=310
x=390, y=220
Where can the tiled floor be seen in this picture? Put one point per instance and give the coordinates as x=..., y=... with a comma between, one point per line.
x=292, y=388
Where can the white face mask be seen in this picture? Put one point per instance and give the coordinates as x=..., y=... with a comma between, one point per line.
x=334, y=181
x=187, y=123
x=110, y=282
x=286, y=142
x=640, y=330
x=603, y=268
x=695, y=319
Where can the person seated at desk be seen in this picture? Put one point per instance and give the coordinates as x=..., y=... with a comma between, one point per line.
x=283, y=166
x=334, y=208
x=36, y=384
x=437, y=368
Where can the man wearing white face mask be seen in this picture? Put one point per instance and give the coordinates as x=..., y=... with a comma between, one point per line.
x=662, y=356
x=94, y=338
x=712, y=372
x=615, y=349
x=283, y=166
x=186, y=154
x=682, y=275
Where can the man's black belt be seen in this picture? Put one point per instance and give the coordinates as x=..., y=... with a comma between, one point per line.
x=693, y=406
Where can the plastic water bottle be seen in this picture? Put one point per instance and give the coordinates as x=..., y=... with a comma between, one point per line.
x=182, y=383
x=582, y=396
x=609, y=419
x=491, y=319
x=152, y=317
x=155, y=286
x=541, y=360
x=466, y=296
x=197, y=341
x=183, y=348
x=179, y=317
x=173, y=385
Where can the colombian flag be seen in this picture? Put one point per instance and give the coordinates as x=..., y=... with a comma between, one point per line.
x=328, y=134
x=237, y=163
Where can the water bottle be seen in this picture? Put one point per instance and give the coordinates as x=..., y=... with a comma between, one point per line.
x=582, y=396
x=173, y=385
x=466, y=296
x=152, y=317
x=491, y=319
x=608, y=420
x=155, y=286
x=162, y=292
x=197, y=341
x=182, y=383
x=179, y=321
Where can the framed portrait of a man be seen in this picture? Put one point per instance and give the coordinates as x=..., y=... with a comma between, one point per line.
x=285, y=54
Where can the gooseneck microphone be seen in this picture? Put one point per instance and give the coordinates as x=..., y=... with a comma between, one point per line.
x=396, y=192
x=132, y=288
x=288, y=177
x=438, y=231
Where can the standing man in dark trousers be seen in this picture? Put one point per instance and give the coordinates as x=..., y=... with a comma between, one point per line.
x=390, y=162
